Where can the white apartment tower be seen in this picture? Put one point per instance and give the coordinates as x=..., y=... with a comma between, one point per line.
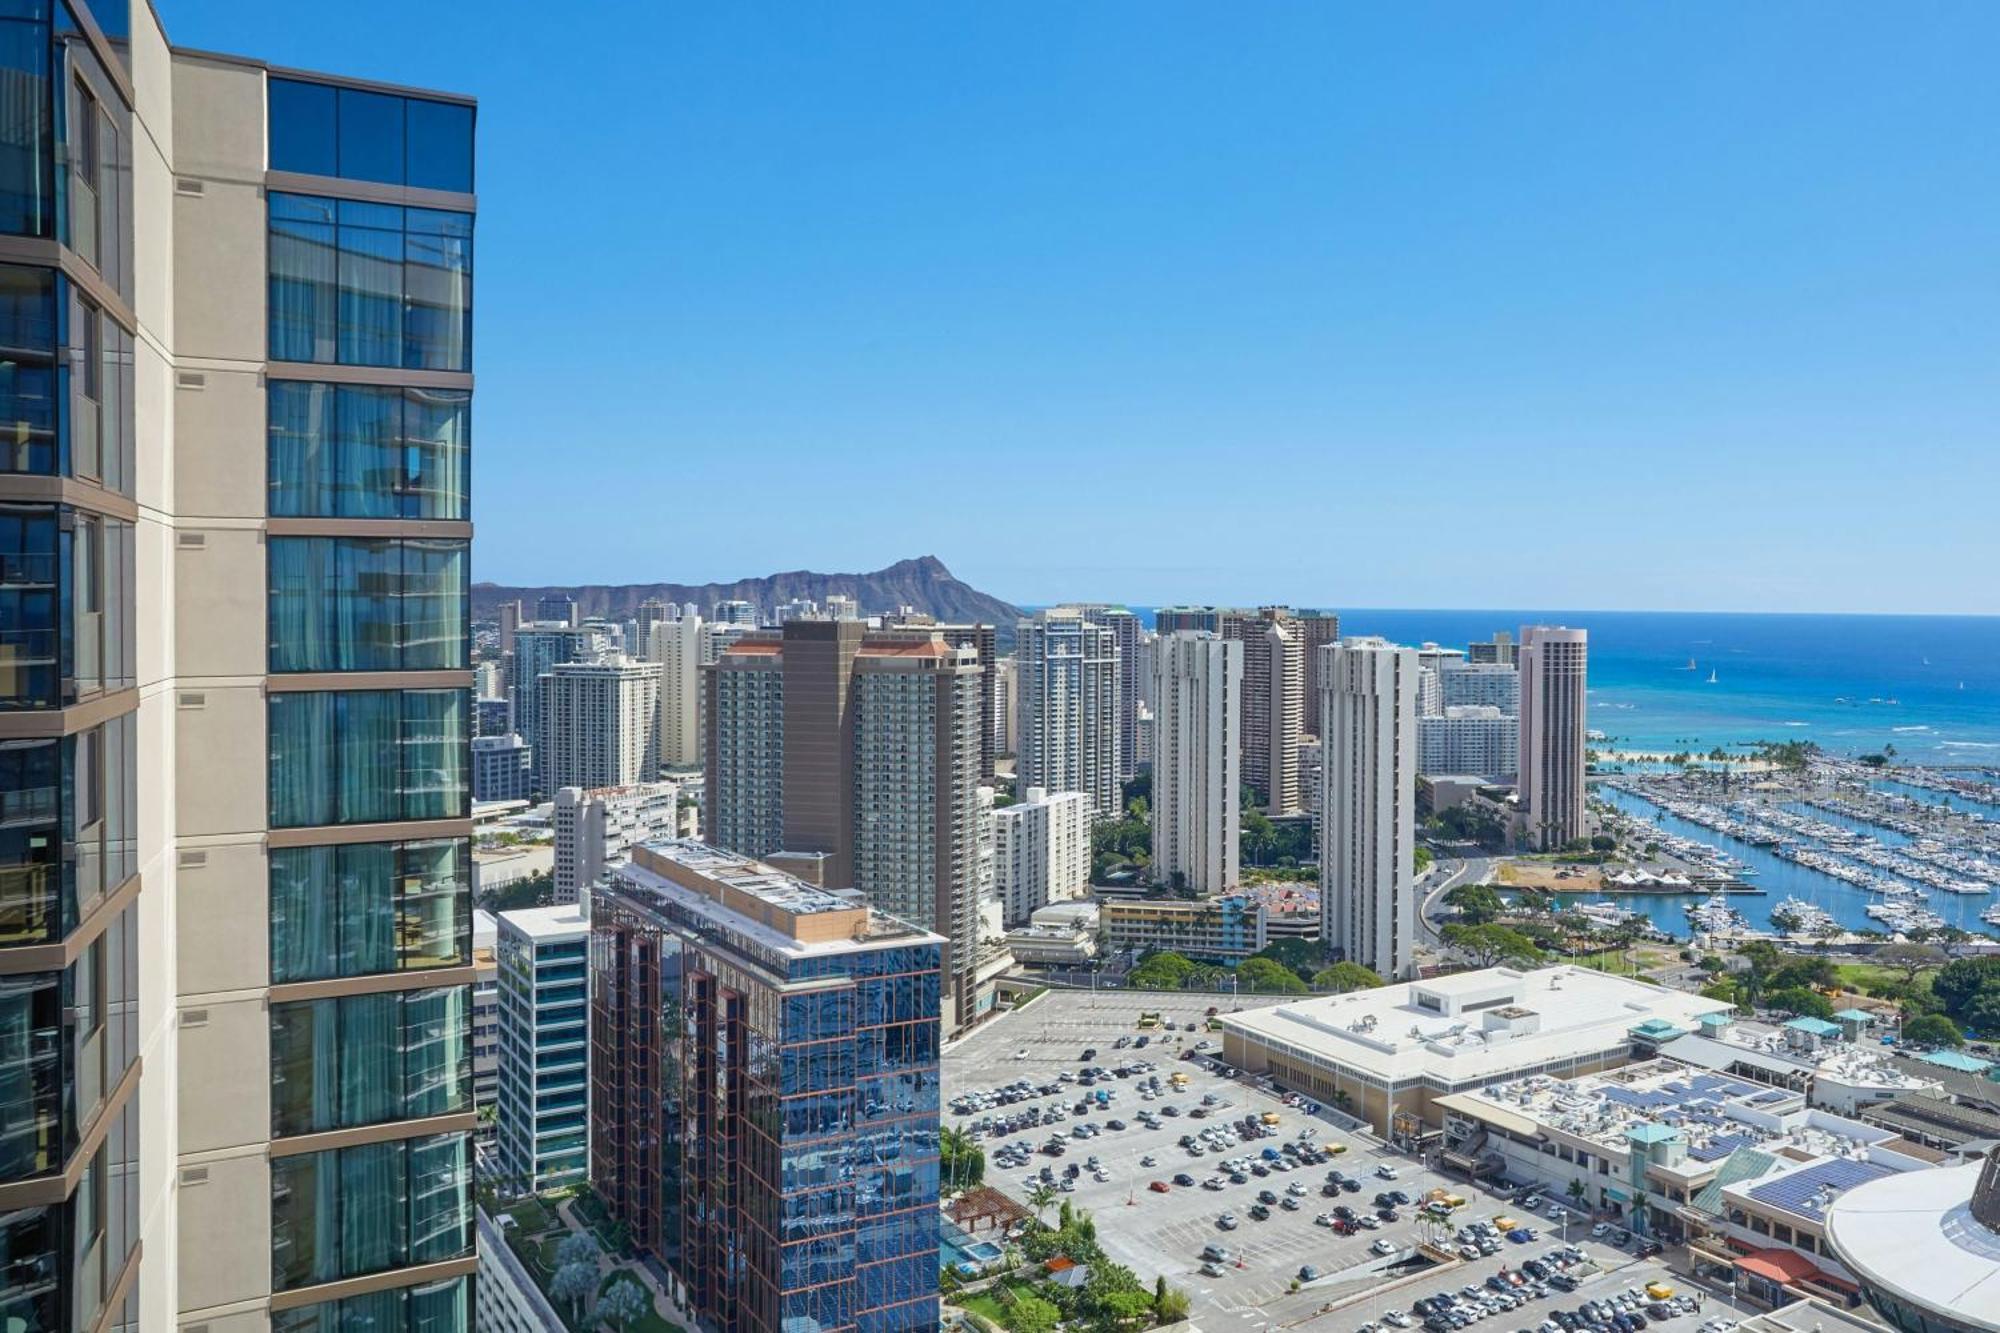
x=596, y=829
x=1066, y=681
x=1554, y=664
x=598, y=723
x=676, y=646
x=1041, y=852
x=1197, y=821
x=1368, y=739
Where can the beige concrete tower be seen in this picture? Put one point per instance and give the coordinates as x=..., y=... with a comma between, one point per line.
x=1555, y=673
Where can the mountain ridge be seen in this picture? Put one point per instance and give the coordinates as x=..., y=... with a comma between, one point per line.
x=922, y=583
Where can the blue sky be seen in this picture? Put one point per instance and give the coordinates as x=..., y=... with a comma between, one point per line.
x=1647, y=306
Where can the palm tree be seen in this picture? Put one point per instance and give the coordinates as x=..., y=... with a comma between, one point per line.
x=1041, y=1196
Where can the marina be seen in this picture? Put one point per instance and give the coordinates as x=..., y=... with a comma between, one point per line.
x=1831, y=850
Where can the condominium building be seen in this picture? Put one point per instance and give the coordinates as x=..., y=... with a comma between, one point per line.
x=1126, y=635
x=502, y=768
x=1213, y=930
x=1555, y=672
x=1001, y=732
x=1041, y=852
x=982, y=639
x=1066, y=678
x=556, y=609
x=1197, y=817
x=1500, y=650
x=235, y=961
x=596, y=829
x=599, y=724
x=805, y=1032
x=1317, y=629
x=492, y=715
x=1470, y=738
x=1368, y=827
x=1480, y=684
x=1168, y=619
x=1274, y=703
x=736, y=612
x=860, y=750
x=485, y=1014
x=544, y=1122
x=676, y=646
x=539, y=649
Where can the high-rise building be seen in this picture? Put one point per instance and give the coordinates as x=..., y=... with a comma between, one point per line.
x=676, y=645
x=1170, y=619
x=1555, y=669
x=1368, y=827
x=237, y=706
x=984, y=640
x=1274, y=703
x=556, y=609
x=651, y=614
x=539, y=649
x=596, y=830
x=1214, y=930
x=1197, y=817
x=1499, y=650
x=502, y=768
x=1126, y=633
x=1477, y=739
x=492, y=716
x=797, y=1077
x=736, y=612
x=1002, y=730
x=510, y=620
x=1066, y=680
x=839, y=606
x=1317, y=628
x=485, y=1012
x=798, y=608
x=599, y=724
x=544, y=1121
x=858, y=749
x=1468, y=684
x=1041, y=852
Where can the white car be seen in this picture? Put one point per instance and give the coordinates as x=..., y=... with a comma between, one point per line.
x=1021, y=1054
x=1385, y=1171
x=1600, y=1231
x=1385, y=1246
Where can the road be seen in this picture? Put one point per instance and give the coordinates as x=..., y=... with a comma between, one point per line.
x=1443, y=878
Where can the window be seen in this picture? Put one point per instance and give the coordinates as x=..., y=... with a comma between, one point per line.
x=85, y=161
x=366, y=1059
x=368, y=756
x=364, y=284
x=364, y=908
x=27, y=356
x=430, y=1307
x=318, y=129
x=77, y=793
x=365, y=452
x=349, y=1212
x=368, y=604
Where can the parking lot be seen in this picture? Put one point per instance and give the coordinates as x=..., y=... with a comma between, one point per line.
x=1156, y=1232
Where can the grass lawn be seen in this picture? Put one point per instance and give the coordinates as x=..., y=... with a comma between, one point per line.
x=1860, y=976
x=988, y=1303
x=531, y=1217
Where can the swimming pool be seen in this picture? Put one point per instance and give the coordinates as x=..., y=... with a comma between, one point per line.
x=959, y=1251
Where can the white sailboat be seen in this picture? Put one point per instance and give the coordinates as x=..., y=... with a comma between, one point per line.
x=1711, y=677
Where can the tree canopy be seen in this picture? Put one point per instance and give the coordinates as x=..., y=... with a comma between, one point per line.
x=1932, y=1030
x=1491, y=945
x=1476, y=904
x=1346, y=977
x=1301, y=956
x=1269, y=977
x=1799, y=1002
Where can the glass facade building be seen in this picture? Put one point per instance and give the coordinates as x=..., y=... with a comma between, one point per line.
x=765, y=1101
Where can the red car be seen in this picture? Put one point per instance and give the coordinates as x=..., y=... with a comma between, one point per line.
x=1159, y=1187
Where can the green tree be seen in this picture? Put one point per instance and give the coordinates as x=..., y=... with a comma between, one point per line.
x=1932, y=1030
x=1713, y=964
x=1799, y=1002
x=1258, y=837
x=622, y=1302
x=1911, y=960
x=962, y=1161
x=1476, y=904
x=576, y=1248
x=1813, y=973
x=1163, y=970
x=1041, y=1196
x=1346, y=977
x=1421, y=860
x=1268, y=977
x=1981, y=1016
x=1957, y=982
x=572, y=1285
x=1029, y=1313
x=1577, y=1190
x=1301, y=956
x=1491, y=945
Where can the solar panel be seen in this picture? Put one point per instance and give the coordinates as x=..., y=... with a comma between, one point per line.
x=1795, y=1192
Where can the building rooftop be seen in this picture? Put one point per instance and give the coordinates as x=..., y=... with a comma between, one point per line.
x=1446, y=1028
x=563, y=921
x=1807, y=1192
x=778, y=911
x=1914, y=1235
x=1959, y=1060
x=1810, y=1316
x=1721, y=1044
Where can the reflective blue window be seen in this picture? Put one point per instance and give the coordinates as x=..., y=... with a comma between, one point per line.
x=349, y=1212
x=365, y=1059
x=371, y=907
x=439, y=145
x=369, y=284
x=368, y=604
x=302, y=136
x=358, y=134
x=371, y=136
x=368, y=756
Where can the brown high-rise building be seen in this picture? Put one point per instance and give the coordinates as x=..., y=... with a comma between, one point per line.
x=1316, y=630
x=984, y=640
x=851, y=756
x=1274, y=703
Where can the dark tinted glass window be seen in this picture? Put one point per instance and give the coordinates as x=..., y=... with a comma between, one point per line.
x=302, y=128
x=440, y=145
x=27, y=165
x=371, y=136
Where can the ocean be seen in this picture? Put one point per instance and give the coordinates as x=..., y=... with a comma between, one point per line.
x=1927, y=685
